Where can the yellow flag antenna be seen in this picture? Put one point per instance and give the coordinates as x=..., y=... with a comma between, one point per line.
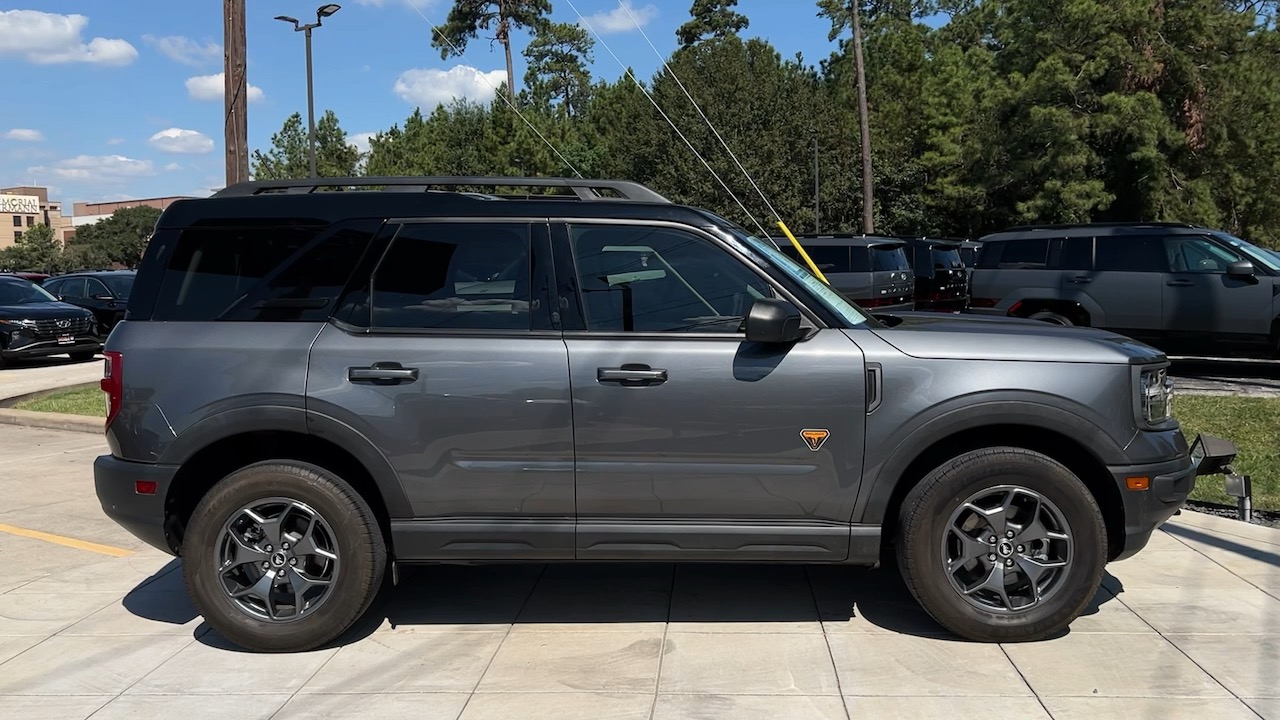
x=808, y=260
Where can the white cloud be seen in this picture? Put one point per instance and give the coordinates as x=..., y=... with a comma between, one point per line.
x=618, y=21
x=115, y=141
x=180, y=141
x=97, y=168
x=428, y=87
x=49, y=38
x=185, y=50
x=210, y=87
x=173, y=166
x=419, y=4
x=361, y=140
x=24, y=135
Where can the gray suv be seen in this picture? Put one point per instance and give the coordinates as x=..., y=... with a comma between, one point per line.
x=317, y=381
x=871, y=271
x=1182, y=288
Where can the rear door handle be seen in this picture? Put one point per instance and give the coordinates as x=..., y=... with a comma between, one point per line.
x=1081, y=279
x=632, y=375
x=1180, y=283
x=383, y=373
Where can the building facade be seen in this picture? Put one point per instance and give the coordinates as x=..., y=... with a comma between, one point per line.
x=87, y=213
x=23, y=207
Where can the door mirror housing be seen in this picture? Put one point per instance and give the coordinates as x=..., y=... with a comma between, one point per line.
x=1241, y=269
x=774, y=321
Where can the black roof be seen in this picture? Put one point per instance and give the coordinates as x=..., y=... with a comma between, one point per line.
x=329, y=200
x=1096, y=230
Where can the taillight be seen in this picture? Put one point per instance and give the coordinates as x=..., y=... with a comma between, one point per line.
x=113, y=382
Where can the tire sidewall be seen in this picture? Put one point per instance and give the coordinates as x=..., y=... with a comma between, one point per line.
x=1033, y=472
x=349, y=519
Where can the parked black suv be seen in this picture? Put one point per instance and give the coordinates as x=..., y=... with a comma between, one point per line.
x=942, y=280
x=105, y=293
x=1182, y=288
x=317, y=381
x=870, y=270
x=34, y=323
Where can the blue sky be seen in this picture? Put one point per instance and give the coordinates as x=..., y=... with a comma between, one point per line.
x=123, y=99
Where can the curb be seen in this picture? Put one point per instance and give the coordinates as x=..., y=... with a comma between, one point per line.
x=52, y=421
x=15, y=400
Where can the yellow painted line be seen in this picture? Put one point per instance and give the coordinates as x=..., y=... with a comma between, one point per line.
x=65, y=541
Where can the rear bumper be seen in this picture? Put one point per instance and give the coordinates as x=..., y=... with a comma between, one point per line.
x=142, y=515
x=1145, y=510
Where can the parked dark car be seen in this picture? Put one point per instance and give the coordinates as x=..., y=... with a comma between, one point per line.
x=104, y=293
x=34, y=323
x=942, y=279
x=870, y=270
x=1178, y=287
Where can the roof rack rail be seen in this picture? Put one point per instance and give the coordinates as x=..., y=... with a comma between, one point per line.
x=1069, y=226
x=583, y=189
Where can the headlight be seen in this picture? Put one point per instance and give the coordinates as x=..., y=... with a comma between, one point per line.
x=1156, y=396
x=18, y=323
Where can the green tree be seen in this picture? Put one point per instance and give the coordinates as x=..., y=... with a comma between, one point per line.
x=468, y=17
x=36, y=251
x=116, y=240
x=557, y=66
x=288, y=158
x=711, y=18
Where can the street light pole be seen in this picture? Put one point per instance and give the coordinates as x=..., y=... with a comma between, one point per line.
x=322, y=12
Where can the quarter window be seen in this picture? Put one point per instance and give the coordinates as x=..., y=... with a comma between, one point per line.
x=447, y=276
x=1025, y=253
x=646, y=279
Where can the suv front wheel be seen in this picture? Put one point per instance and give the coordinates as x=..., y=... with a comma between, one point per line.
x=282, y=557
x=1002, y=545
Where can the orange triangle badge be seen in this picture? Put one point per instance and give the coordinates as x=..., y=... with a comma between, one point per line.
x=815, y=439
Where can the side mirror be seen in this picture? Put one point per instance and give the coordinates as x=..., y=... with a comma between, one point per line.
x=1242, y=269
x=774, y=321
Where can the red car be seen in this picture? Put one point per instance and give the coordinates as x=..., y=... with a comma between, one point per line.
x=34, y=277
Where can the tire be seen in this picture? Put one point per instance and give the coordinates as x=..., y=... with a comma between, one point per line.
x=347, y=529
x=1052, y=318
x=936, y=503
x=83, y=356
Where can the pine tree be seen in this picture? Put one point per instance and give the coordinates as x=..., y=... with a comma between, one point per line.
x=468, y=17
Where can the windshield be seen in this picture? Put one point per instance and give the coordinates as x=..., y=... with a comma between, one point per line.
x=1267, y=258
x=946, y=258
x=120, y=285
x=801, y=274
x=888, y=258
x=23, y=293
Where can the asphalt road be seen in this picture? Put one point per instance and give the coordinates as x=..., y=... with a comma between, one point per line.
x=1235, y=377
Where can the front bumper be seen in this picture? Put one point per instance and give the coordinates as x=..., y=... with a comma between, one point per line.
x=26, y=347
x=142, y=515
x=1169, y=484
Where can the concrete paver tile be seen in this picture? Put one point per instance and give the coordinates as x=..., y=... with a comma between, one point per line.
x=920, y=666
x=945, y=708
x=117, y=575
x=411, y=662
x=1206, y=610
x=1248, y=665
x=12, y=645
x=144, y=613
x=1268, y=708
x=862, y=600
x=67, y=707
x=405, y=706
x=558, y=706
x=47, y=613
x=213, y=666
x=86, y=665
x=738, y=598
x=1223, y=527
x=744, y=664
x=1106, y=614
x=1085, y=665
x=791, y=707
x=458, y=598
x=192, y=707
x=575, y=662
x=1092, y=708
x=598, y=598
x=1172, y=569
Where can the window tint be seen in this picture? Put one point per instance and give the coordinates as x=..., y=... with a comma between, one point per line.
x=94, y=287
x=455, y=276
x=945, y=258
x=119, y=284
x=889, y=258
x=830, y=259
x=53, y=286
x=260, y=273
x=1198, y=255
x=1026, y=253
x=859, y=259
x=1131, y=254
x=1075, y=253
x=73, y=288
x=648, y=279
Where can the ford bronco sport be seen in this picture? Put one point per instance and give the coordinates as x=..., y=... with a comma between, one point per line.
x=318, y=380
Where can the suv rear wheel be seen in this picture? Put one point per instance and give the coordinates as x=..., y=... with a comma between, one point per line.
x=283, y=556
x=1002, y=545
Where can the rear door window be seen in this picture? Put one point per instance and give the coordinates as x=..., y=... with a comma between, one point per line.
x=1131, y=254
x=945, y=258
x=1025, y=253
x=889, y=258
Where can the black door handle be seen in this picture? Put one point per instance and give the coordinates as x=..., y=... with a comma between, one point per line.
x=632, y=375
x=383, y=373
x=1180, y=283
x=1081, y=280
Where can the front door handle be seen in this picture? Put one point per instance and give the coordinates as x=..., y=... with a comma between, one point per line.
x=383, y=373
x=632, y=375
x=1180, y=283
x=1081, y=279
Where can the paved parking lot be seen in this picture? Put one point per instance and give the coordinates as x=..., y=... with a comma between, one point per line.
x=92, y=623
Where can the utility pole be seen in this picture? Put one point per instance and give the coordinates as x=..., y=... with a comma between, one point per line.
x=235, y=99
x=868, y=196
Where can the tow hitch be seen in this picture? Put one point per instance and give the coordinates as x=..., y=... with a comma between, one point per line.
x=1213, y=456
